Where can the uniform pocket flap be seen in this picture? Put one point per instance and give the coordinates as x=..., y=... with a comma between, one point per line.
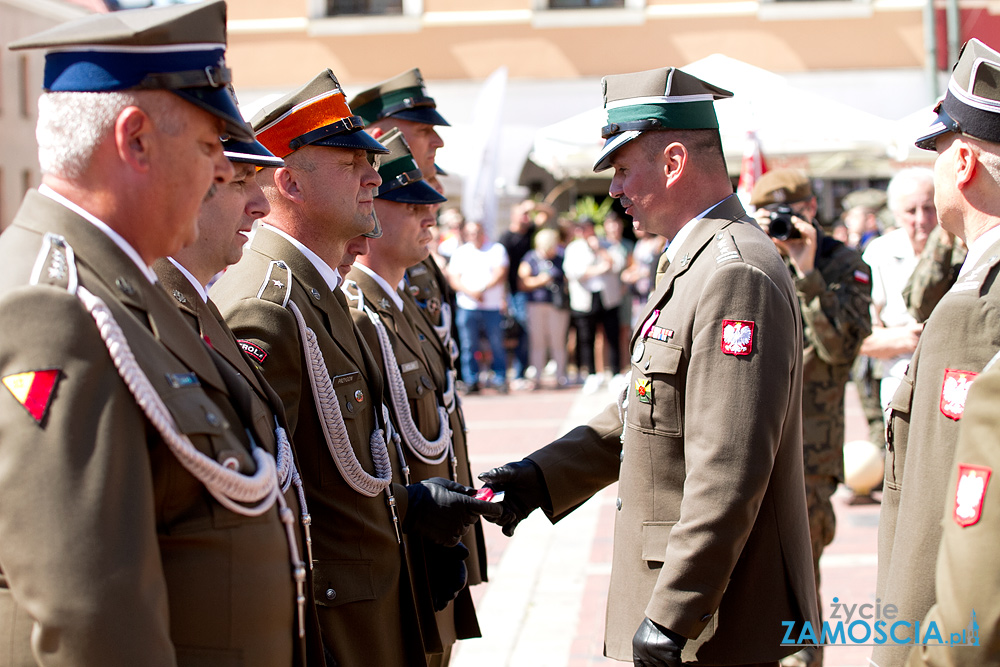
x=338, y=582
x=903, y=397
x=194, y=412
x=655, y=535
x=661, y=358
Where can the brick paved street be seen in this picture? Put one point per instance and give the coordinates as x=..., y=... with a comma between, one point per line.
x=544, y=604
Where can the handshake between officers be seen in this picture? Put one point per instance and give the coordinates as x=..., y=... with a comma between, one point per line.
x=176, y=489
x=712, y=548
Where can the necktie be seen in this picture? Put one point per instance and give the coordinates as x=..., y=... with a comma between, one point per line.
x=661, y=268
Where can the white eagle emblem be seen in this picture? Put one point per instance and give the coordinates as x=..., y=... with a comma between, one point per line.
x=969, y=494
x=954, y=391
x=737, y=337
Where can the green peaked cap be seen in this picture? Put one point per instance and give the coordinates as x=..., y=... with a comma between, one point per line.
x=658, y=99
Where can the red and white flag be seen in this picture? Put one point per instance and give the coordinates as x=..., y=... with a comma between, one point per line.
x=753, y=167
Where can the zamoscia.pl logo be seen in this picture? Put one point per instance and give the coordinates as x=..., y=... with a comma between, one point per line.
x=875, y=625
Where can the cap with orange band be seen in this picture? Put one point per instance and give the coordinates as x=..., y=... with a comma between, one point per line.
x=316, y=114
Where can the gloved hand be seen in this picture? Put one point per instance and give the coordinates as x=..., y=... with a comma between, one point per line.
x=655, y=646
x=442, y=510
x=446, y=572
x=524, y=492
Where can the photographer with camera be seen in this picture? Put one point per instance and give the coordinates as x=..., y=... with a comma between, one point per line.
x=833, y=285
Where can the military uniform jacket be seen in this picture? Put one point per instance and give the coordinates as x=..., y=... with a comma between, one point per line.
x=967, y=578
x=112, y=553
x=361, y=596
x=711, y=537
x=258, y=405
x=835, y=300
x=423, y=395
x=961, y=336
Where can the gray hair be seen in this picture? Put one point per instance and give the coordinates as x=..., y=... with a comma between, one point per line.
x=903, y=183
x=72, y=125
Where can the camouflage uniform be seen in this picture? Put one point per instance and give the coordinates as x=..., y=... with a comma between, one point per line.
x=835, y=300
x=936, y=271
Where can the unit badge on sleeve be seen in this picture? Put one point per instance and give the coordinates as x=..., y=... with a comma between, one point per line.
x=737, y=337
x=969, y=494
x=34, y=390
x=954, y=390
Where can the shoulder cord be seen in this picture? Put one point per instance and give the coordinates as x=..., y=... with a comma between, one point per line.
x=623, y=400
x=444, y=332
x=228, y=486
x=332, y=421
x=430, y=452
x=288, y=474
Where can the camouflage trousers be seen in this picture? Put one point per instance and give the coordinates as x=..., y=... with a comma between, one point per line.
x=822, y=527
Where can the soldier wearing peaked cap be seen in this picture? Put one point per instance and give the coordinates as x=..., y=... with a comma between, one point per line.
x=139, y=518
x=420, y=387
x=927, y=411
x=833, y=285
x=402, y=102
x=283, y=303
x=712, y=548
x=223, y=222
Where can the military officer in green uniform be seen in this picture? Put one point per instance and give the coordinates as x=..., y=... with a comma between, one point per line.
x=139, y=519
x=833, y=285
x=420, y=392
x=960, y=337
x=712, y=548
x=283, y=302
x=402, y=102
x=223, y=223
x=967, y=581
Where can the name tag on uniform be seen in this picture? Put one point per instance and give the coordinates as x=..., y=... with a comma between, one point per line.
x=179, y=380
x=409, y=366
x=418, y=270
x=347, y=377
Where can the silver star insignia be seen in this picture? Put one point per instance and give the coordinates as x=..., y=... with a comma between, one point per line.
x=278, y=284
x=383, y=303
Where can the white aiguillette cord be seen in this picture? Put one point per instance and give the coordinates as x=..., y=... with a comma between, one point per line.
x=430, y=452
x=230, y=487
x=332, y=421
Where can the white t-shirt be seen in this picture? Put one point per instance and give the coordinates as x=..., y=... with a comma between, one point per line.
x=892, y=260
x=476, y=266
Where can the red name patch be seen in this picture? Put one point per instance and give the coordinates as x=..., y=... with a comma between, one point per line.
x=253, y=350
x=969, y=494
x=954, y=390
x=737, y=337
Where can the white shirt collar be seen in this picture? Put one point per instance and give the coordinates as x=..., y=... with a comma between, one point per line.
x=979, y=248
x=685, y=231
x=198, y=287
x=396, y=299
x=329, y=274
x=125, y=246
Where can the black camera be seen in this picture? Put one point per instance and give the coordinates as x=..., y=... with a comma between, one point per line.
x=781, y=226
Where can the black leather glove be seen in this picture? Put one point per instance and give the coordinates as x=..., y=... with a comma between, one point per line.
x=442, y=510
x=655, y=646
x=524, y=492
x=446, y=572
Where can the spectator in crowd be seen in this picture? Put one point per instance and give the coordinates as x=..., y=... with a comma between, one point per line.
x=892, y=258
x=860, y=217
x=595, y=291
x=639, y=274
x=517, y=242
x=936, y=271
x=621, y=249
x=540, y=277
x=452, y=221
x=477, y=272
